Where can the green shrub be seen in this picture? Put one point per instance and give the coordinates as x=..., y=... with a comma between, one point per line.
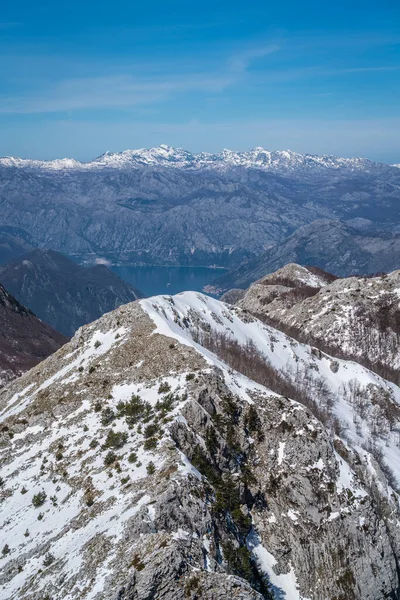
x=164, y=388
x=110, y=458
x=238, y=559
x=202, y=463
x=107, y=416
x=166, y=404
x=150, y=444
x=135, y=410
x=115, y=439
x=253, y=422
x=211, y=440
x=6, y=550
x=192, y=585
x=24, y=490
x=151, y=430
x=48, y=559
x=97, y=344
x=190, y=376
x=39, y=499
x=132, y=458
x=92, y=369
x=137, y=563
x=151, y=468
x=93, y=443
x=40, y=516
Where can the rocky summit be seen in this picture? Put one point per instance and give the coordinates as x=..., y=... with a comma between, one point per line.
x=353, y=317
x=179, y=448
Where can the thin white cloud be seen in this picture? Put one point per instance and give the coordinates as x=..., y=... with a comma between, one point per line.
x=115, y=91
x=124, y=91
x=242, y=60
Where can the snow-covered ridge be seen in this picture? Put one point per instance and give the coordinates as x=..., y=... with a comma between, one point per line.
x=167, y=156
x=79, y=523
x=185, y=315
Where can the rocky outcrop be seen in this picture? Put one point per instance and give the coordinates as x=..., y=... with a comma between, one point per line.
x=233, y=296
x=354, y=317
x=136, y=464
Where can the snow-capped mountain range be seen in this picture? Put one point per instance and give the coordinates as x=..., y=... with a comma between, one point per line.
x=167, y=156
x=166, y=206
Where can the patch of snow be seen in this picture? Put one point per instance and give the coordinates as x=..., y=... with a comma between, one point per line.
x=284, y=586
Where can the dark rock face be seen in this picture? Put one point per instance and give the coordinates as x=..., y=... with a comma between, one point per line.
x=62, y=293
x=331, y=245
x=167, y=206
x=24, y=340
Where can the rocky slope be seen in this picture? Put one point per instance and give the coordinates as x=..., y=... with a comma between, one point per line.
x=356, y=247
x=62, y=293
x=168, y=206
x=24, y=339
x=136, y=464
x=355, y=317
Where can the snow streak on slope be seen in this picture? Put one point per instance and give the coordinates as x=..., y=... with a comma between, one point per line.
x=186, y=315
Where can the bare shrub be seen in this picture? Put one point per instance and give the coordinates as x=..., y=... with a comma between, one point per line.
x=302, y=386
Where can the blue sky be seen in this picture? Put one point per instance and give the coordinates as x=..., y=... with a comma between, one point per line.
x=80, y=78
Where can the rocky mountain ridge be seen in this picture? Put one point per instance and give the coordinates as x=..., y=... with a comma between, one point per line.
x=354, y=317
x=137, y=464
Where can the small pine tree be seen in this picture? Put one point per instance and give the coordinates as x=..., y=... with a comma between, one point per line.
x=150, y=468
